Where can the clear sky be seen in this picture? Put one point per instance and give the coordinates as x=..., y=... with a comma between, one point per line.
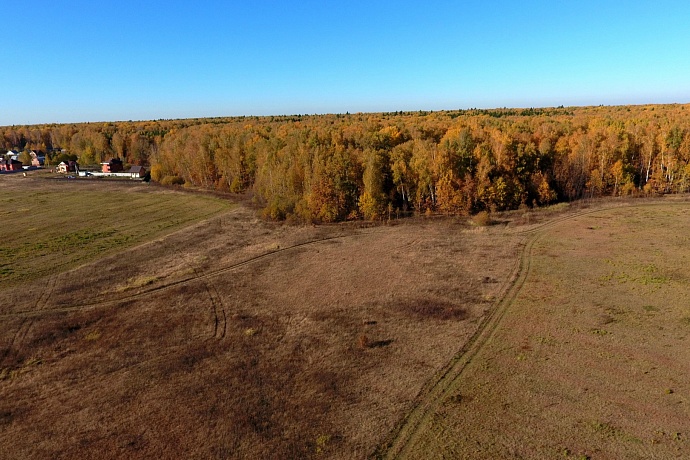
x=70, y=60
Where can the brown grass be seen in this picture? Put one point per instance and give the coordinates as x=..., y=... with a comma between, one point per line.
x=590, y=360
x=239, y=338
x=177, y=348
x=482, y=219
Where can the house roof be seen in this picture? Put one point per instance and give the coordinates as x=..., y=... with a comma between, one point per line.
x=136, y=169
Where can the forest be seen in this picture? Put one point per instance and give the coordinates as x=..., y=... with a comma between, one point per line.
x=328, y=168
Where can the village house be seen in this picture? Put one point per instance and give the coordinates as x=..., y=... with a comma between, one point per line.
x=112, y=166
x=10, y=165
x=137, y=172
x=38, y=158
x=71, y=166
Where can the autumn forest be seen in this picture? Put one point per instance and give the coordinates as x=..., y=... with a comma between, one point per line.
x=327, y=168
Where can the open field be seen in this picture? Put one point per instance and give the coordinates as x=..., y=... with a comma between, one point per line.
x=51, y=225
x=590, y=358
x=239, y=338
x=242, y=338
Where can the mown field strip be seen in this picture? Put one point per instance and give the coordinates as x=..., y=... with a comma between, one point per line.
x=49, y=232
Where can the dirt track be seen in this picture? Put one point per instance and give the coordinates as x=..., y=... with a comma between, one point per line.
x=415, y=430
x=40, y=308
x=319, y=336
x=444, y=384
x=290, y=341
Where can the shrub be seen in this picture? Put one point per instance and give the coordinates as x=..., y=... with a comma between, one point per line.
x=157, y=172
x=482, y=219
x=172, y=180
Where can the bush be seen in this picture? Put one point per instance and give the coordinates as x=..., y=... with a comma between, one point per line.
x=278, y=208
x=157, y=172
x=482, y=219
x=172, y=180
x=628, y=189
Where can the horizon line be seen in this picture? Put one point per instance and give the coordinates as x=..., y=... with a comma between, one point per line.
x=316, y=114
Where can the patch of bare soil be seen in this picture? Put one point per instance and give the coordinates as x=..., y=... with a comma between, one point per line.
x=237, y=338
x=591, y=358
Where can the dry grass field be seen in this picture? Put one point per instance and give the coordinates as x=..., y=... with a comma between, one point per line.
x=238, y=338
x=219, y=335
x=590, y=358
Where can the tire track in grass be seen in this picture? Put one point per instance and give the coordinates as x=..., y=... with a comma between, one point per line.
x=407, y=432
x=223, y=270
x=216, y=307
x=221, y=323
x=42, y=301
x=12, y=350
x=172, y=284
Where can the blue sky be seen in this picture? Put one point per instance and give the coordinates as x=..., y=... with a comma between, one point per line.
x=69, y=61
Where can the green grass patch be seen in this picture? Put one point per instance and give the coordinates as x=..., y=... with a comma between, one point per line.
x=92, y=336
x=59, y=226
x=559, y=207
x=647, y=275
x=599, y=332
x=11, y=373
x=133, y=283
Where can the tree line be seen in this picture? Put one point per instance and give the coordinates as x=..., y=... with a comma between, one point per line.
x=326, y=168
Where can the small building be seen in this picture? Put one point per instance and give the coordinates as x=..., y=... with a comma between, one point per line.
x=112, y=166
x=10, y=165
x=13, y=154
x=38, y=158
x=137, y=172
x=71, y=166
